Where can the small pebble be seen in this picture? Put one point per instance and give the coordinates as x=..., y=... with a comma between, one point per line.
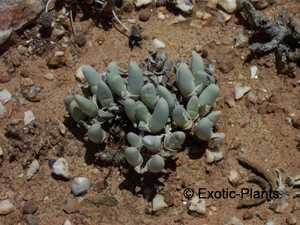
x=49, y=76
x=270, y=222
x=28, y=117
x=253, y=72
x=158, y=44
x=223, y=17
x=1, y=152
x=234, y=178
x=240, y=91
x=80, y=185
x=213, y=156
x=158, y=203
x=140, y=3
x=32, y=169
x=197, y=205
x=6, y=207
x=5, y=96
x=62, y=128
x=161, y=16
x=67, y=222
x=61, y=168
x=228, y=5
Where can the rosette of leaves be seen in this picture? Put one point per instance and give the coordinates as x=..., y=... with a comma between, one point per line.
x=157, y=118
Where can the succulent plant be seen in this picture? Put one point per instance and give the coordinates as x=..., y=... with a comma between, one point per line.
x=154, y=117
x=92, y=77
x=133, y=156
x=95, y=133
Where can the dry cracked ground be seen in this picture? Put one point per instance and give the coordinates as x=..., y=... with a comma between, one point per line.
x=262, y=126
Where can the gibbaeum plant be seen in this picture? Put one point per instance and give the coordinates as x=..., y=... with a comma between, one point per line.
x=157, y=117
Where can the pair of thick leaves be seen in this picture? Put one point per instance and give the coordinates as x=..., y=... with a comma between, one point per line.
x=80, y=108
x=114, y=84
x=155, y=143
x=155, y=163
x=139, y=114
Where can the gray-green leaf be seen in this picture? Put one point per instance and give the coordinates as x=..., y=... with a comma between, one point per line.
x=152, y=142
x=209, y=95
x=181, y=117
x=114, y=80
x=148, y=95
x=104, y=95
x=156, y=164
x=159, y=117
x=193, y=106
x=135, y=78
x=87, y=106
x=96, y=134
x=185, y=80
x=133, y=156
x=168, y=96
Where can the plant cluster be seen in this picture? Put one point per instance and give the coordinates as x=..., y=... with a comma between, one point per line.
x=156, y=118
